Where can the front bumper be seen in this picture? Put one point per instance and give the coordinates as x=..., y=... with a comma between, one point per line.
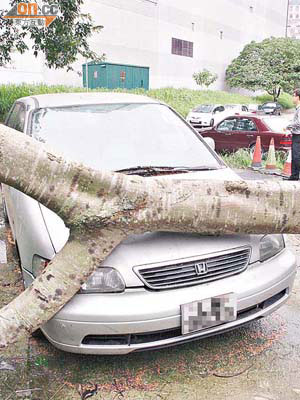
x=139, y=319
x=200, y=124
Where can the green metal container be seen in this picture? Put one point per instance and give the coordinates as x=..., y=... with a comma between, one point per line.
x=112, y=76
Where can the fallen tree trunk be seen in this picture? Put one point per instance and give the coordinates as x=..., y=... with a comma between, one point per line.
x=101, y=208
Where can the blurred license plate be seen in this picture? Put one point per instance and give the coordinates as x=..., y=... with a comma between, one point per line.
x=208, y=312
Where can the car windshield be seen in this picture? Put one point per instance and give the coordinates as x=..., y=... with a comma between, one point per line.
x=231, y=106
x=204, y=108
x=276, y=124
x=118, y=136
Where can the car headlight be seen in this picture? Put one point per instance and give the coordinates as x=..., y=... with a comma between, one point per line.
x=104, y=280
x=270, y=245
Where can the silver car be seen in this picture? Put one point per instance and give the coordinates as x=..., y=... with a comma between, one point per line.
x=154, y=289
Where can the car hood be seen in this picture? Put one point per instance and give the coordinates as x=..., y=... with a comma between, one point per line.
x=160, y=247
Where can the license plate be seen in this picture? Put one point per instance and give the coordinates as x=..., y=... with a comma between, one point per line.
x=208, y=312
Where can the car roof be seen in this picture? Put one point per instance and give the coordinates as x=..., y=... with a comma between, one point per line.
x=84, y=98
x=207, y=104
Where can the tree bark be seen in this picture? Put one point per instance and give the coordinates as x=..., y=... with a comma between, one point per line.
x=102, y=207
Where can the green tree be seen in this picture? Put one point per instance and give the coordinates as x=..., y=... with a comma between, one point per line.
x=272, y=65
x=61, y=43
x=205, y=77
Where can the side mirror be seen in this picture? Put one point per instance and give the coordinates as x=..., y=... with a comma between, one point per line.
x=210, y=142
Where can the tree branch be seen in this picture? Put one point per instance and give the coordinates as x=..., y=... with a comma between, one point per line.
x=55, y=286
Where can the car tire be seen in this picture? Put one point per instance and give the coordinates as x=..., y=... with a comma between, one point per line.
x=5, y=216
x=264, y=153
x=211, y=122
x=252, y=148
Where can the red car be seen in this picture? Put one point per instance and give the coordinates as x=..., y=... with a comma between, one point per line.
x=241, y=131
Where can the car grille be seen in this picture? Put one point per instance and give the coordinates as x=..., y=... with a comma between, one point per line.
x=197, y=271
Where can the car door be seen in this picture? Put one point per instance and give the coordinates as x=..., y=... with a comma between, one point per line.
x=26, y=220
x=15, y=120
x=218, y=114
x=223, y=134
x=244, y=133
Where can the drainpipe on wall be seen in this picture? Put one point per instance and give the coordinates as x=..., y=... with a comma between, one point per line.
x=87, y=76
x=287, y=18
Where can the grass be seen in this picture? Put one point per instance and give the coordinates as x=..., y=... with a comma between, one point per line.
x=182, y=100
x=243, y=159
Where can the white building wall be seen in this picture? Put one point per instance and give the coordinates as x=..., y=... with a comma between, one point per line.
x=140, y=32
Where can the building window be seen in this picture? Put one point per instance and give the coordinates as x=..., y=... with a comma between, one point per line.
x=182, y=47
x=297, y=16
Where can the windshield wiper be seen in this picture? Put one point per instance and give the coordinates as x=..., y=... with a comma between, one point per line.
x=150, y=170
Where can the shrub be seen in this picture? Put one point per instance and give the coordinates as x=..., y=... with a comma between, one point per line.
x=284, y=99
x=205, y=77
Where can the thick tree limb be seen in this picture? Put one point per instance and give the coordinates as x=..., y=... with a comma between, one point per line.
x=84, y=197
x=99, y=206
x=55, y=286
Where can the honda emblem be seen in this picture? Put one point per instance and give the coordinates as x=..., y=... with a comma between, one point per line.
x=201, y=268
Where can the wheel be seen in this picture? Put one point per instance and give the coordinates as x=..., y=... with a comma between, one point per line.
x=252, y=148
x=37, y=334
x=5, y=216
x=264, y=153
x=211, y=122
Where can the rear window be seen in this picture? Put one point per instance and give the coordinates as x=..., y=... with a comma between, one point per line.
x=270, y=105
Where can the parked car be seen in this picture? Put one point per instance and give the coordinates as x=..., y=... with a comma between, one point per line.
x=271, y=107
x=206, y=115
x=149, y=290
x=255, y=109
x=236, y=108
x=241, y=131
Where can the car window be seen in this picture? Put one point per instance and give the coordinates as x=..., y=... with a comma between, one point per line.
x=219, y=109
x=227, y=124
x=245, y=124
x=269, y=105
x=244, y=108
x=16, y=119
x=118, y=136
x=204, y=108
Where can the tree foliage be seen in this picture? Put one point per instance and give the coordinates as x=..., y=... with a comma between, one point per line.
x=205, y=77
x=61, y=42
x=272, y=65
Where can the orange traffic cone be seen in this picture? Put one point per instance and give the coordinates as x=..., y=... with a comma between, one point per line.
x=256, y=160
x=271, y=160
x=287, y=168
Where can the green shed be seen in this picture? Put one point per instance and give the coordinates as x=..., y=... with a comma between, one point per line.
x=112, y=76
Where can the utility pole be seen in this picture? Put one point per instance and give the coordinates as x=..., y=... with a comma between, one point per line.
x=287, y=18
